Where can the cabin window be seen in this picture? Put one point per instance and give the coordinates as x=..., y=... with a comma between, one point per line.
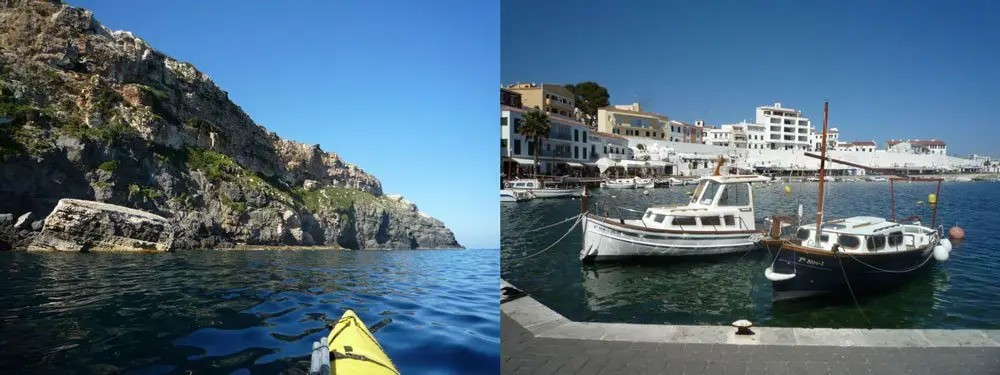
x=735, y=195
x=710, y=220
x=711, y=187
x=659, y=218
x=849, y=242
x=895, y=238
x=802, y=234
x=824, y=238
x=730, y=220
x=684, y=221
x=648, y=214
x=876, y=242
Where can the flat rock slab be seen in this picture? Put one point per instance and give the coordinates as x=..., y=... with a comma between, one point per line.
x=79, y=225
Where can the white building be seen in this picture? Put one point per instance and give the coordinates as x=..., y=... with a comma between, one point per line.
x=916, y=146
x=832, y=139
x=988, y=164
x=570, y=143
x=775, y=128
x=787, y=129
x=862, y=146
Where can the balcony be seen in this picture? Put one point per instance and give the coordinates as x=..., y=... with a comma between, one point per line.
x=789, y=130
x=775, y=128
x=568, y=154
x=558, y=104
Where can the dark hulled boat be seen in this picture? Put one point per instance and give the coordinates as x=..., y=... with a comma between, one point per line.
x=857, y=255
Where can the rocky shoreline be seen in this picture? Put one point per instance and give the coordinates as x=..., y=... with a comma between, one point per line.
x=94, y=114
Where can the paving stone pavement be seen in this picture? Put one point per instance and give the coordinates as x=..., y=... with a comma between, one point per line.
x=522, y=353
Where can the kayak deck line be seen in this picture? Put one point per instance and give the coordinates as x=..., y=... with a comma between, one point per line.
x=542, y=322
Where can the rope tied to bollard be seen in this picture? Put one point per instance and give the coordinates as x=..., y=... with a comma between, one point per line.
x=577, y=222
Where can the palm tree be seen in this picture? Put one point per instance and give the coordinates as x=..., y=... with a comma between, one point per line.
x=536, y=127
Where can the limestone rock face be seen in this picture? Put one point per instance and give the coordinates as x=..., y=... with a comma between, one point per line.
x=77, y=225
x=106, y=117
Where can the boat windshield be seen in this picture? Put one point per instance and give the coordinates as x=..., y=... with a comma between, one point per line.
x=708, y=191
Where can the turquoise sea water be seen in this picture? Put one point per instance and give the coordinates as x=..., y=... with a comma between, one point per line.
x=961, y=293
x=244, y=311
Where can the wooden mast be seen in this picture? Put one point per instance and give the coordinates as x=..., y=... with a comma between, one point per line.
x=822, y=175
x=718, y=165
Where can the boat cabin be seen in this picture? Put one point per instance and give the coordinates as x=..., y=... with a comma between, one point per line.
x=865, y=234
x=722, y=203
x=524, y=184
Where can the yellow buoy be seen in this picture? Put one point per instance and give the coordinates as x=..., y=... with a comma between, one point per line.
x=788, y=189
x=932, y=198
x=920, y=202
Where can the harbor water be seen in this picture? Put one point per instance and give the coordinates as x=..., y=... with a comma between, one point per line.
x=224, y=312
x=960, y=293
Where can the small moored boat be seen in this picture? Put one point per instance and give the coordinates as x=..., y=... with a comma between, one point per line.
x=718, y=220
x=508, y=195
x=854, y=255
x=620, y=183
x=644, y=183
x=539, y=190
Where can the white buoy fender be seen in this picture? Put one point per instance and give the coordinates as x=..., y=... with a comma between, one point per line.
x=940, y=253
x=946, y=243
x=774, y=276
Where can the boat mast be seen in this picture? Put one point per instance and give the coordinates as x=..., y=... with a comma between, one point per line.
x=822, y=174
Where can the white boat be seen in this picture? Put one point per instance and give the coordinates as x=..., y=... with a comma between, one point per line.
x=621, y=183
x=877, y=179
x=644, y=183
x=718, y=220
x=681, y=182
x=538, y=190
x=962, y=179
x=508, y=195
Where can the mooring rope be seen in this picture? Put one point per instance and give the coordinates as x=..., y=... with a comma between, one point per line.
x=571, y=218
x=891, y=271
x=850, y=289
x=578, y=219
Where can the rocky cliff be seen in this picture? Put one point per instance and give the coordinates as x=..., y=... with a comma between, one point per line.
x=95, y=114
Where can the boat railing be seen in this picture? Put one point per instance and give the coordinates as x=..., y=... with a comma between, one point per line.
x=641, y=213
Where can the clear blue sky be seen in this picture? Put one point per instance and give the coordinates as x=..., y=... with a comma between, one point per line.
x=891, y=69
x=406, y=90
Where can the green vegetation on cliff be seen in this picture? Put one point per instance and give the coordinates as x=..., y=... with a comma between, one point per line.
x=333, y=197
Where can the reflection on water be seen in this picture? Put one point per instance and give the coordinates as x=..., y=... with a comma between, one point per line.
x=218, y=312
x=957, y=294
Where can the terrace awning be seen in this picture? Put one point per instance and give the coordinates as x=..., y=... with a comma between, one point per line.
x=523, y=161
x=572, y=164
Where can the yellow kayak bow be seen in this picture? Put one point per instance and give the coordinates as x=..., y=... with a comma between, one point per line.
x=351, y=349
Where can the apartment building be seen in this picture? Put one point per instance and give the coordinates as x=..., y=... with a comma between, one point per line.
x=786, y=129
x=631, y=121
x=547, y=97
